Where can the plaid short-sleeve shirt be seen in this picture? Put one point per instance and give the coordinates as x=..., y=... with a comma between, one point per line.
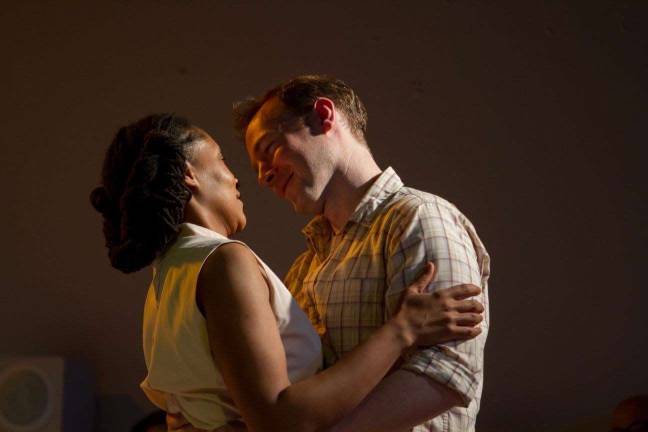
x=350, y=283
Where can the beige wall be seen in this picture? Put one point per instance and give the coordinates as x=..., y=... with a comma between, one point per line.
x=529, y=115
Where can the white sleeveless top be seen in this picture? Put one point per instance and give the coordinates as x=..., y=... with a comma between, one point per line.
x=182, y=376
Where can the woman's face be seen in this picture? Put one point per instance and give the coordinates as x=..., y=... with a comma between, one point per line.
x=217, y=188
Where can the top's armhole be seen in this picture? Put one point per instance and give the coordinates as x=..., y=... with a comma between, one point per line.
x=264, y=274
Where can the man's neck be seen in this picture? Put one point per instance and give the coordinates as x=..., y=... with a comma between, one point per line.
x=357, y=173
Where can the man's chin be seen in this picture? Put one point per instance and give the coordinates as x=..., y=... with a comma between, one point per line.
x=303, y=208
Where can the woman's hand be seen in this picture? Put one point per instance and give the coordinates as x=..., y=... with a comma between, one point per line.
x=177, y=423
x=441, y=316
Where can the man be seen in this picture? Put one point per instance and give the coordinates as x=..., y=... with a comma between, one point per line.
x=369, y=239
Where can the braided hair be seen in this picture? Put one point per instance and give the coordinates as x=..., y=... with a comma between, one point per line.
x=143, y=195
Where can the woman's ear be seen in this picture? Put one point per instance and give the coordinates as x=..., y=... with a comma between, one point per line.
x=191, y=179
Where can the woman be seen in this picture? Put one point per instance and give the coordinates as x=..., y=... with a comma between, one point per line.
x=223, y=338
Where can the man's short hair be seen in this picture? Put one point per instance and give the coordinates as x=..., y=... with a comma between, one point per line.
x=299, y=94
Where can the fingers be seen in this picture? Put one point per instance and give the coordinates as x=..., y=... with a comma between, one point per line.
x=468, y=319
x=449, y=333
x=464, y=333
x=420, y=284
x=190, y=428
x=470, y=305
x=460, y=292
x=176, y=422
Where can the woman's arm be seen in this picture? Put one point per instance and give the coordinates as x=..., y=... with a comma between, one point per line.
x=248, y=351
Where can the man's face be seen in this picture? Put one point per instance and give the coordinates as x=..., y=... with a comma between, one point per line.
x=290, y=158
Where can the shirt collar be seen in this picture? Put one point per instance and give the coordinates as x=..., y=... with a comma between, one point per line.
x=187, y=229
x=383, y=187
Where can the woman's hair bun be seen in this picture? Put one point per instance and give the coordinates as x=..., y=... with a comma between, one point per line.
x=143, y=194
x=131, y=255
x=101, y=201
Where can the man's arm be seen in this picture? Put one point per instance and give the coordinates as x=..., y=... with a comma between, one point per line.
x=432, y=380
x=401, y=401
x=419, y=398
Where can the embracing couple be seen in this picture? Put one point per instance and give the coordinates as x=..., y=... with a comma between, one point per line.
x=379, y=325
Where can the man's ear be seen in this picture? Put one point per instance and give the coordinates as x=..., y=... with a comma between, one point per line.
x=324, y=109
x=190, y=177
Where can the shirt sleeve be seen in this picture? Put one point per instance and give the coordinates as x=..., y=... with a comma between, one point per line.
x=435, y=231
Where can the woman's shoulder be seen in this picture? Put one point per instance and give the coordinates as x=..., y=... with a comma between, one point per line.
x=231, y=253
x=230, y=265
x=230, y=281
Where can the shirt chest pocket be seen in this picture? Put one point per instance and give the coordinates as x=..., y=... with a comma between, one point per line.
x=351, y=292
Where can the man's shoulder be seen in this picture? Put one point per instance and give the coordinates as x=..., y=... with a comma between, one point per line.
x=412, y=202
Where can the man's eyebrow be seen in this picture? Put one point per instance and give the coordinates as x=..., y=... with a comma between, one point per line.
x=263, y=140
x=256, y=145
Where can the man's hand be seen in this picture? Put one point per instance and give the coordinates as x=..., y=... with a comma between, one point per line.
x=445, y=315
x=177, y=423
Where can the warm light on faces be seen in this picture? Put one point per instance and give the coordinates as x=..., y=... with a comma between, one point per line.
x=215, y=188
x=295, y=164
